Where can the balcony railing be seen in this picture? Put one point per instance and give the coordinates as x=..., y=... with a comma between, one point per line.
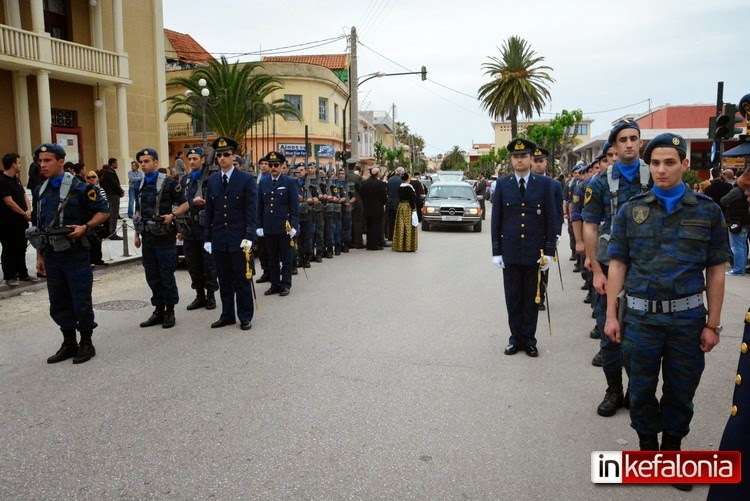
x=185, y=130
x=40, y=51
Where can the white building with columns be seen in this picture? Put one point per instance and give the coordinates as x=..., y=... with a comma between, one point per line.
x=87, y=74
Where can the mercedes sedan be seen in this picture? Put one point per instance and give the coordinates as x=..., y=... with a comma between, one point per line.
x=450, y=203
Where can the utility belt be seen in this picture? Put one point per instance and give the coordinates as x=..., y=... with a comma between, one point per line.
x=152, y=226
x=304, y=208
x=330, y=207
x=55, y=238
x=317, y=207
x=669, y=306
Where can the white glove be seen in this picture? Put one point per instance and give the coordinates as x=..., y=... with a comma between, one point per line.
x=545, y=266
x=498, y=261
x=291, y=233
x=207, y=247
x=259, y=232
x=246, y=244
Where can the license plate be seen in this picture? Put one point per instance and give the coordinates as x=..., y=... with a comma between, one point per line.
x=452, y=218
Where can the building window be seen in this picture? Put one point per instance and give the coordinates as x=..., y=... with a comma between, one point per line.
x=336, y=113
x=583, y=129
x=64, y=118
x=323, y=109
x=56, y=18
x=296, y=101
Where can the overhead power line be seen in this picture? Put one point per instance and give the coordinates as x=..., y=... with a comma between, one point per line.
x=269, y=52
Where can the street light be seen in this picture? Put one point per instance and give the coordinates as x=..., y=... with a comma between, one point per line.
x=202, y=101
x=360, y=81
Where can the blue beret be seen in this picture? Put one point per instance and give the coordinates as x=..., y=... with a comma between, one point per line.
x=578, y=167
x=55, y=149
x=540, y=153
x=275, y=156
x=666, y=140
x=195, y=151
x=222, y=143
x=239, y=159
x=628, y=123
x=147, y=151
x=520, y=146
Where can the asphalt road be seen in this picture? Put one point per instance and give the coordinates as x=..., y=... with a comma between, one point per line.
x=380, y=377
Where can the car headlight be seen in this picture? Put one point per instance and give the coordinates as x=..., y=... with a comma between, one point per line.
x=432, y=210
x=472, y=212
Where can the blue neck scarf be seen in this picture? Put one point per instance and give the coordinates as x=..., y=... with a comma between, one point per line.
x=671, y=196
x=150, y=178
x=194, y=175
x=628, y=171
x=55, y=182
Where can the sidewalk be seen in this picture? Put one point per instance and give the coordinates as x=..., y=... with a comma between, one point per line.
x=113, y=253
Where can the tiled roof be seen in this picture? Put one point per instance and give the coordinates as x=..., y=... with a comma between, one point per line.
x=331, y=61
x=186, y=48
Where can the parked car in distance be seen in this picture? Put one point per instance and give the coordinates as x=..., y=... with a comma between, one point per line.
x=451, y=203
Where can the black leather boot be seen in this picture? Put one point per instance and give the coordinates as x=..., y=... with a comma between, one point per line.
x=648, y=442
x=199, y=301
x=613, y=397
x=672, y=443
x=85, y=349
x=210, y=300
x=156, y=318
x=318, y=257
x=169, y=319
x=263, y=278
x=67, y=350
x=337, y=250
x=344, y=248
x=329, y=252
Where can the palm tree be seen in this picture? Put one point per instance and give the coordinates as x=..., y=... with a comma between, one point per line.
x=238, y=99
x=453, y=159
x=518, y=85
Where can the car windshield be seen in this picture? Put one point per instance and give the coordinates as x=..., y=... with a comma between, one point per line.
x=463, y=192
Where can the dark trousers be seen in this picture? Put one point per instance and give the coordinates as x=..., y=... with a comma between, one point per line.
x=262, y=253
x=69, y=283
x=13, y=240
x=200, y=265
x=233, y=286
x=346, y=226
x=391, y=221
x=305, y=237
x=520, y=291
x=319, y=223
x=160, y=263
x=95, y=251
x=280, y=260
x=357, y=221
x=114, y=211
x=374, y=223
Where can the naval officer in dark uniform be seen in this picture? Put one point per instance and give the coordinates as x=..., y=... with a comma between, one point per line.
x=524, y=222
x=278, y=222
x=200, y=264
x=230, y=229
x=64, y=209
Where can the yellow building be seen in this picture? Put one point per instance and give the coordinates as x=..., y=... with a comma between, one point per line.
x=503, y=136
x=71, y=73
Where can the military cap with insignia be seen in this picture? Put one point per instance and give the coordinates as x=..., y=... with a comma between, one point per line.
x=666, y=140
x=147, y=151
x=223, y=143
x=55, y=149
x=520, y=146
x=195, y=151
x=275, y=156
x=627, y=123
x=578, y=167
x=540, y=153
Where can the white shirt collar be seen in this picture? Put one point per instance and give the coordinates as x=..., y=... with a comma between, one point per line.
x=228, y=173
x=525, y=178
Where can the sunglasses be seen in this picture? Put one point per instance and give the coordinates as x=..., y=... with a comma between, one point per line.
x=225, y=154
x=91, y=177
x=275, y=164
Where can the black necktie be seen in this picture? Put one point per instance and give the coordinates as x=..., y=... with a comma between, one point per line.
x=522, y=187
x=226, y=181
x=274, y=182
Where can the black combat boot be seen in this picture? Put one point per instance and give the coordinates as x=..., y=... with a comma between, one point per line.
x=156, y=318
x=329, y=252
x=573, y=255
x=672, y=443
x=337, y=250
x=595, y=333
x=199, y=301
x=85, y=349
x=294, y=268
x=304, y=260
x=613, y=397
x=344, y=248
x=210, y=300
x=318, y=257
x=587, y=299
x=169, y=320
x=597, y=360
x=648, y=442
x=68, y=349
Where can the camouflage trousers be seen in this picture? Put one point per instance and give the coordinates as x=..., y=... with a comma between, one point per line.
x=676, y=350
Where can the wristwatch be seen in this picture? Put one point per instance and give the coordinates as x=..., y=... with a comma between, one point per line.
x=88, y=227
x=716, y=328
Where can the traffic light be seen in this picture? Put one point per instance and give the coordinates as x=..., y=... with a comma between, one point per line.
x=337, y=155
x=424, y=73
x=712, y=128
x=725, y=122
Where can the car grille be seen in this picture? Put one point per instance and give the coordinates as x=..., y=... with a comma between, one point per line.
x=451, y=211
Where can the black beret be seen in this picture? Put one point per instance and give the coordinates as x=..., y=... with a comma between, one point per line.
x=56, y=149
x=147, y=151
x=666, y=140
x=628, y=123
x=195, y=151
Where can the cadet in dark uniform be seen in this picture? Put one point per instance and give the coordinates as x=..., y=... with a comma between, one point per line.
x=278, y=207
x=317, y=190
x=200, y=264
x=304, y=239
x=230, y=229
x=736, y=436
x=159, y=200
x=523, y=225
x=64, y=209
x=627, y=177
x=662, y=242
x=260, y=243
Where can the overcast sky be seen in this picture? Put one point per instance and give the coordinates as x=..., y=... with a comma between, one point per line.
x=605, y=55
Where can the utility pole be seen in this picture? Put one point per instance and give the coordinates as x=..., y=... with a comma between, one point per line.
x=393, y=119
x=354, y=108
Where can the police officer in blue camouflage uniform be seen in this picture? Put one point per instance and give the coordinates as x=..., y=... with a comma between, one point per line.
x=159, y=201
x=627, y=177
x=200, y=264
x=662, y=243
x=64, y=210
x=346, y=191
x=304, y=239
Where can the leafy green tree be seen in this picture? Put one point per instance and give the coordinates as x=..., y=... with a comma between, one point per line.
x=454, y=159
x=238, y=100
x=519, y=83
x=561, y=134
